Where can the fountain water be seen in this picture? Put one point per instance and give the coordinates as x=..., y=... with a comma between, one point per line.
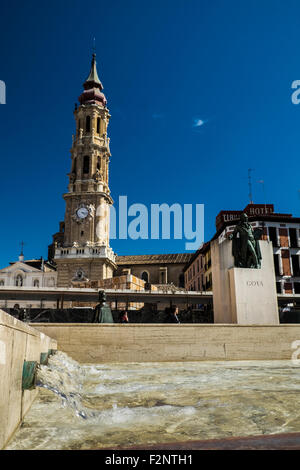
x=127, y=404
x=65, y=377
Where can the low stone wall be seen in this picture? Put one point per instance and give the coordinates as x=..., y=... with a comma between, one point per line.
x=18, y=342
x=95, y=343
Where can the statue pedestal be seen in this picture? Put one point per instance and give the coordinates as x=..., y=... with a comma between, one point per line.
x=242, y=295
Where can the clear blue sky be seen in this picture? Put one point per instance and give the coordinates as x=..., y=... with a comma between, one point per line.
x=165, y=65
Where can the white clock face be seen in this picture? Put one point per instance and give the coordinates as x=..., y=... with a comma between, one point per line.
x=82, y=212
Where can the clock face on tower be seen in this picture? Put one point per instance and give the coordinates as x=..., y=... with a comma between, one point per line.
x=82, y=212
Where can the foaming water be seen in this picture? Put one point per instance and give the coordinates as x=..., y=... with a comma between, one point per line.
x=66, y=378
x=124, y=404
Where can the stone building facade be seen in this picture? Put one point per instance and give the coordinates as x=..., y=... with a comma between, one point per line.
x=158, y=270
x=283, y=230
x=34, y=273
x=198, y=273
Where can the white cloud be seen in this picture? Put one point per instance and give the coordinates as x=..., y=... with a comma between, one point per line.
x=198, y=122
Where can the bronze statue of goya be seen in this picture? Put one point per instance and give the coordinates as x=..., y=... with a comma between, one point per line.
x=245, y=244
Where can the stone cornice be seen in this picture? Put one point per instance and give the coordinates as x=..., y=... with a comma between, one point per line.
x=87, y=194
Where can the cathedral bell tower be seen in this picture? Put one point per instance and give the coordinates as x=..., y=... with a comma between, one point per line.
x=81, y=248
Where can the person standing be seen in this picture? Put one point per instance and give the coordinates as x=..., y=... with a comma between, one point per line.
x=124, y=317
x=172, y=315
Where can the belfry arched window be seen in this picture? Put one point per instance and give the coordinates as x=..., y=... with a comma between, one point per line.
x=88, y=124
x=98, y=125
x=86, y=164
x=99, y=163
x=19, y=280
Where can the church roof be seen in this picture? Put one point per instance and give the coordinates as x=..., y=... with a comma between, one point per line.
x=19, y=266
x=172, y=258
x=36, y=264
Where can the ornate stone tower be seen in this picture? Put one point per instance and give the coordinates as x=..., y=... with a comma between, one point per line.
x=81, y=249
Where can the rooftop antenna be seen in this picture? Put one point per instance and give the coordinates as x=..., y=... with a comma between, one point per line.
x=264, y=193
x=250, y=185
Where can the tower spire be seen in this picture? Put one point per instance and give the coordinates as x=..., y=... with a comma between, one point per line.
x=93, y=87
x=93, y=80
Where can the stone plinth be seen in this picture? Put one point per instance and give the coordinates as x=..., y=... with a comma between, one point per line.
x=221, y=261
x=242, y=295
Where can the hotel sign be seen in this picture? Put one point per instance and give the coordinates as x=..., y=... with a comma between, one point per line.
x=251, y=210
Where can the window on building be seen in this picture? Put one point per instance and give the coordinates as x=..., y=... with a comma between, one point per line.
x=1, y=283
x=36, y=283
x=19, y=281
x=88, y=124
x=273, y=235
x=75, y=165
x=279, y=287
x=181, y=280
x=297, y=287
x=98, y=125
x=276, y=265
x=86, y=164
x=145, y=276
x=293, y=238
x=296, y=266
x=99, y=163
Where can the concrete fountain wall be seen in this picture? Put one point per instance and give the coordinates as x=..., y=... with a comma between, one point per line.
x=18, y=342
x=96, y=343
